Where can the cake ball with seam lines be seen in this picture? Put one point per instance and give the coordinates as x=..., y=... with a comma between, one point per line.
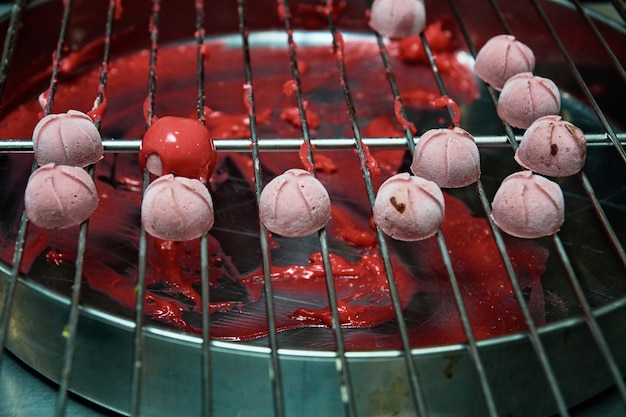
x=449, y=157
x=177, y=208
x=67, y=139
x=552, y=146
x=59, y=196
x=294, y=204
x=409, y=208
x=502, y=57
x=528, y=205
x=526, y=97
x=398, y=18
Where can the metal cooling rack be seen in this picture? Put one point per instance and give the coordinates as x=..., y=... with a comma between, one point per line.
x=255, y=146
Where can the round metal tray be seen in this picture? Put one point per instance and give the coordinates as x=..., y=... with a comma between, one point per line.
x=240, y=379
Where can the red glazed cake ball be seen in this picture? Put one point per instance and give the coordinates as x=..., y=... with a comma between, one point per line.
x=449, y=157
x=179, y=146
x=67, y=139
x=398, y=18
x=552, y=146
x=528, y=206
x=409, y=208
x=501, y=58
x=294, y=204
x=526, y=97
x=60, y=196
x=177, y=208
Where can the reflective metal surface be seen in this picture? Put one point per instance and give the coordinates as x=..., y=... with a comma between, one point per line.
x=172, y=360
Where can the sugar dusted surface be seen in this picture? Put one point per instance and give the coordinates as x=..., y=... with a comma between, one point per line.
x=294, y=204
x=67, y=139
x=552, y=146
x=409, y=208
x=501, y=58
x=398, y=18
x=60, y=196
x=177, y=208
x=526, y=97
x=449, y=157
x=528, y=205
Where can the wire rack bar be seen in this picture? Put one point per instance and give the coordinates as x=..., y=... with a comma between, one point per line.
x=588, y=315
x=533, y=334
x=21, y=239
x=607, y=126
x=417, y=396
x=620, y=8
x=591, y=321
x=580, y=81
x=5, y=64
x=514, y=141
x=471, y=340
x=275, y=374
x=573, y=280
x=71, y=331
x=204, y=246
x=611, y=138
x=294, y=144
x=138, y=339
x=9, y=44
x=341, y=363
x=393, y=85
x=605, y=46
x=587, y=312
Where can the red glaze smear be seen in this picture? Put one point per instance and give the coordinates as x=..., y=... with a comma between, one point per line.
x=74, y=60
x=57, y=257
x=292, y=115
x=147, y=109
x=369, y=162
x=321, y=163
x=447, y=102
x=340, y=45
x=397, y=111
x=289, y=88
x=98, y=111
x=346, y=228
x=280, y=10
x=440, y=41
x=316, y=15
x=362, y=287
x=43, y=99
x=119, y=9
x=305, y=150
x=247, y=91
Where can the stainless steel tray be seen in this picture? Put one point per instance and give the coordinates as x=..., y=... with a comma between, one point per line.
x=172, y=378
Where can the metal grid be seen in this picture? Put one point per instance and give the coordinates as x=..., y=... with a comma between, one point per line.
x=257, y=145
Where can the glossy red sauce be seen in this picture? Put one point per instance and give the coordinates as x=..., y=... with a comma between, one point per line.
x=237, y=296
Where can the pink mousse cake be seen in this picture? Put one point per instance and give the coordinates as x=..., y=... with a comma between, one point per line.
x=501, y=58
x=177, y=208
x=294, y=204
x=398, y=18
x=409, y=208
x=59, y=196
x=449, y=157
x=552, y=146
x=67, y=139
x=528, y=206
x=526, y=97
